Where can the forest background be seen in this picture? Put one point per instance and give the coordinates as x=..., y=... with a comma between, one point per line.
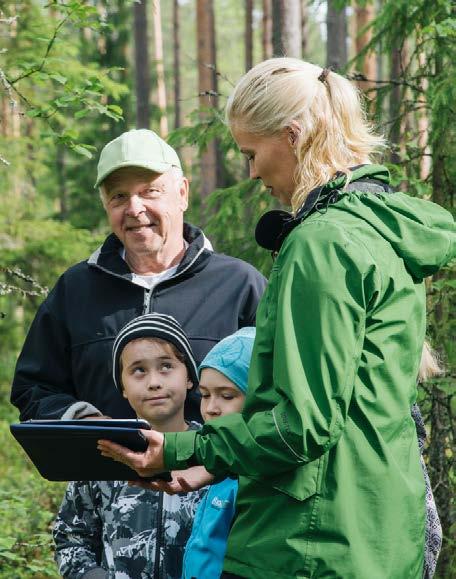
x=75, y=74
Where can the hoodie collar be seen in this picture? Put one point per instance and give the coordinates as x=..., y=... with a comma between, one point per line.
x=274, y=226
x=108, y=256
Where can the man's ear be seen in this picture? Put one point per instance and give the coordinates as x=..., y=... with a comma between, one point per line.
x=184, y=189
x=189, y=384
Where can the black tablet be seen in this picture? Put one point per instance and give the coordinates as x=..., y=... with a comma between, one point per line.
x=66, y=450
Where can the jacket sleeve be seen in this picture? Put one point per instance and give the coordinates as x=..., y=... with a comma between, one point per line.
x=255, y=286
x=43, y=386
x=310, y=332
x=78, y=534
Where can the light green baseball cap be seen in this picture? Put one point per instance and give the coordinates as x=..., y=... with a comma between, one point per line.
x=136, y=148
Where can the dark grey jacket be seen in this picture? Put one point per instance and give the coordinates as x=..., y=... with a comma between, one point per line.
x=64, y=369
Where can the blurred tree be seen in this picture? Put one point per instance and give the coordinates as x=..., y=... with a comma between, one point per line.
x=161, y=88
x=176, y=65
x=304, y=27
x=208, y=90
x=267, y=29
x=248, y=34
x=364, y=16
x=336, y=26
x=287, y=32
x=142, y=72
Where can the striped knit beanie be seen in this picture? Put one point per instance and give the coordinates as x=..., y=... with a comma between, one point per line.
x=153, y=326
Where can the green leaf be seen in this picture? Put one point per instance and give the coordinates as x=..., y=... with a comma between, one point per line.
x=116, y=109
x=32, y=113
x=81, y=113
x=58, y=77
x=82, y=150
x=7, y=542
x=10, y=556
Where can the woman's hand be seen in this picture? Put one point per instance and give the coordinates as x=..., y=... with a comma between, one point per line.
x=147, y=463
x=184, y=481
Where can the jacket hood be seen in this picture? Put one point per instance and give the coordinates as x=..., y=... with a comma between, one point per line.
x=422, y=233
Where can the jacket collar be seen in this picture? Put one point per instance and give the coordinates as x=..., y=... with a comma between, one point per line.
x=108, y=256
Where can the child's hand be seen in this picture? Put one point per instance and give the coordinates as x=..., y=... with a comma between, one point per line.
x=147, y=463
x=184, y=481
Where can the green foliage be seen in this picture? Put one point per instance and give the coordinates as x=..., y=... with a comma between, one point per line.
x=427, y=89
x=27, y=509
x=43, y=73
x=234, y=213
x=67, y=82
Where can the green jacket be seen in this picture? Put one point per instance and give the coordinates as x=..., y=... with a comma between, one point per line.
x=331, y=483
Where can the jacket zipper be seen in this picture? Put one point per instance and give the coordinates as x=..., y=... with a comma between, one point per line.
x=146, y=301
x=158, y=536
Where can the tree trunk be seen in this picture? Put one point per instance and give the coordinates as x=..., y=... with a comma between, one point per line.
x=395, y=106
x=141, y=65
x=161, y=88
x=117, y=54
x=277, y=17
x=62, y=182
x=364, y=15
x=399, y=121
x=248, y=34
x=207, y=83
x=267, y=29
x=441, y=434
x=423, y=123
x=176, y=53
x=336, y=46
x=286, y=35
x=304, y=27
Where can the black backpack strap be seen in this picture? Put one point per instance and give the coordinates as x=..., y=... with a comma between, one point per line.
x=274, y=226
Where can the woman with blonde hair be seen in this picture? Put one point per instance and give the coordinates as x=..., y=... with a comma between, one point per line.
x=330, y=482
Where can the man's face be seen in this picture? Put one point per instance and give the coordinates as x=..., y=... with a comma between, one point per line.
x=147, y=214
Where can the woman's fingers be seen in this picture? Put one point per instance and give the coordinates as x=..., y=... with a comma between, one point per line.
x=145, y=463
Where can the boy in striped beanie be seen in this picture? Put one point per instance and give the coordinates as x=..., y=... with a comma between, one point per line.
x=154, y=367
x=138, y=532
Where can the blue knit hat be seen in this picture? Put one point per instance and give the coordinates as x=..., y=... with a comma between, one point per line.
x=231, y=357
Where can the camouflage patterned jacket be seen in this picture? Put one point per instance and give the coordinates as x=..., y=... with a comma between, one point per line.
x=107, y=530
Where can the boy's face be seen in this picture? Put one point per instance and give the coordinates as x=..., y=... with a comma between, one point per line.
x=219, y=396
x=154, y=381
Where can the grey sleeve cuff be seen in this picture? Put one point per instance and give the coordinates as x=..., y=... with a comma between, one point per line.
x=96, y=573
x=80, y=410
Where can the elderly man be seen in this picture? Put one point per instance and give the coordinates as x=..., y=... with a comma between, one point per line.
x=152, y=261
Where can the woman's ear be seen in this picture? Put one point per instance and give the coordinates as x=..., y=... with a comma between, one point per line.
x=189, y=384
x=294, y=132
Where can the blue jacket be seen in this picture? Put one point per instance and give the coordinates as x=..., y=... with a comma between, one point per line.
x=205, y=550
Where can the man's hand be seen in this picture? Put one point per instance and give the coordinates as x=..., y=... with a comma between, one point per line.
x=184, y=481
x=96, y=417
x=147, y=463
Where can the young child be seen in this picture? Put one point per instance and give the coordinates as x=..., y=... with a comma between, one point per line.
x=223, y=384
x=108, y=528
